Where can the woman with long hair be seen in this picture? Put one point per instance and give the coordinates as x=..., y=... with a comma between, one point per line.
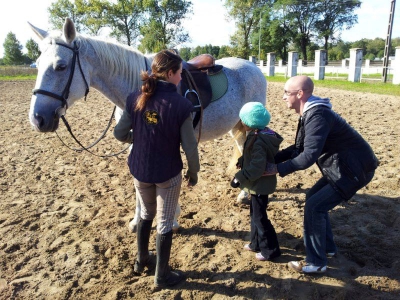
x=157, y=120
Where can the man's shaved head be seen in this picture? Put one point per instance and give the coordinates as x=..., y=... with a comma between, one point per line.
x=301, y=82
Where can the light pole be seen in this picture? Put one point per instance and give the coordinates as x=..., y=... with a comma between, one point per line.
x=259, y=39
x=387, y=43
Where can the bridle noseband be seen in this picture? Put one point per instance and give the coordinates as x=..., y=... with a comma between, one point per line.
x=65, y=94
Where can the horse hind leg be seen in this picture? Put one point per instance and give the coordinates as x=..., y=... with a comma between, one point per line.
x=135, y=221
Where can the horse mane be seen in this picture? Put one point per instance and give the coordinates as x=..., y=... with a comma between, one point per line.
x=117, y=59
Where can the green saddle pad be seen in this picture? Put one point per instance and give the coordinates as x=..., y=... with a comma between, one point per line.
x=219, y=85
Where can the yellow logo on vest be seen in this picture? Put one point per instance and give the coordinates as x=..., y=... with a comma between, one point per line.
x=151, y=117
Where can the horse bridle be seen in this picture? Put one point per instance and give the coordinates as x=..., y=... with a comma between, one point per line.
x=61, y=111
x=65, y=94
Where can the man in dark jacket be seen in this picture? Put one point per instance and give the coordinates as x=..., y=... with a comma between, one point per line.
x=345, y=159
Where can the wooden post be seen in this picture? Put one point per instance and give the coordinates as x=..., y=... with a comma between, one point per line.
x=355, y=65
x=292, y=63
x=320, y=63
x=271, y=64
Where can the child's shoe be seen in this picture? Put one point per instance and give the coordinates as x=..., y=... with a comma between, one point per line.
x=273, y=254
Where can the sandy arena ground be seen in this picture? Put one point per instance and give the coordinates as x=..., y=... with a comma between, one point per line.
x=64, y=215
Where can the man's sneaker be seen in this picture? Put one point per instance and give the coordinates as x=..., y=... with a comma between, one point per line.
x=331, y=254
x=307, y=268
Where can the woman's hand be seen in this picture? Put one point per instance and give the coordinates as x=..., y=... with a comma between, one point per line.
x=191, y=179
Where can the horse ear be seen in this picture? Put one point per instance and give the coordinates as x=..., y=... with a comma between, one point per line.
x=69, y=30
x=39, y=32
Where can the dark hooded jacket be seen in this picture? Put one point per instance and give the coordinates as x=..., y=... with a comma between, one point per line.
x=254, y=161
x=325, y=138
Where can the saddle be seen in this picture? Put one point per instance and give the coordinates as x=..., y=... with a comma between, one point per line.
x=195, y=84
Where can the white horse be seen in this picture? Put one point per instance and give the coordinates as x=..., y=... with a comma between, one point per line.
x=70, y=63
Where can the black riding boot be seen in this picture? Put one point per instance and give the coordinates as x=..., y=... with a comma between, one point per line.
x=142, y=237
x=165, y=277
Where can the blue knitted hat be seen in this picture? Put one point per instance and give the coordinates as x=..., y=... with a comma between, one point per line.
x=254, y=115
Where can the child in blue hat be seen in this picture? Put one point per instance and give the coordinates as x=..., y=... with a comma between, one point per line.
x=259, y=149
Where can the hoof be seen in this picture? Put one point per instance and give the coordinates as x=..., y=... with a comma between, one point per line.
x=175, y=227
x=132, y=226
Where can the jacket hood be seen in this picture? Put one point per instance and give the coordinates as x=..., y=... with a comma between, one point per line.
x=314, y=101
x=269, y=137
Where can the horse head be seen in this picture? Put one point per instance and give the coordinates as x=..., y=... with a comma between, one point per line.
x=62, y=77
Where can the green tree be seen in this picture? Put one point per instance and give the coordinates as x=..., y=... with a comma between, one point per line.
x=224, y=51
x=361, y=44
x=246, y=14
x=33, y=49
x=185, y=53
x=374, y=46
x=369, y=56
x=299, y=21
x=335, y=16
x=126, y=17
x=89, y=16
x=395, y=43
x=196, y=51
x=93, y=15
x=62, y=9
x=12, y=50
x=261, y=35
x=340, y=50
x=164, y=27
x=279, y=38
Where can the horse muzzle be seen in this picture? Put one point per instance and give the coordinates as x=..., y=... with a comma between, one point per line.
x=42, y=123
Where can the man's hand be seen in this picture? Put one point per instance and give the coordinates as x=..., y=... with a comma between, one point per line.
x=271, y=169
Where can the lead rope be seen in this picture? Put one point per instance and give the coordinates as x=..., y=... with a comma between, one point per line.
x=65, y=96
x=83, y=147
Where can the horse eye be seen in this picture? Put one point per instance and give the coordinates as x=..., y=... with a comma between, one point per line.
x=61, y=67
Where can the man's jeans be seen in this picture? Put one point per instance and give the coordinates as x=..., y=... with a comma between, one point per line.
x=318, y=236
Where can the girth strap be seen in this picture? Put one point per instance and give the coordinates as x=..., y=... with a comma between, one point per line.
x=198, y=109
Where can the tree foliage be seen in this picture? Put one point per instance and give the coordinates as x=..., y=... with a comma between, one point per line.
x=12, y=50
x=335, y=17
x=247, y=15
x=125, y=20
x=163, y=28
x=33, y=49
x=298, y=19
x=62, y=9
x=262, y=26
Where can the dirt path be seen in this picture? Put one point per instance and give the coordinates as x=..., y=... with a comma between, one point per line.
x=64, y=215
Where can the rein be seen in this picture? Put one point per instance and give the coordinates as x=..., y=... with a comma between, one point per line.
x=87, y=148
x=61, y=111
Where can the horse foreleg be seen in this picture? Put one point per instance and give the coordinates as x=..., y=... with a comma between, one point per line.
x=134, y=223
x=239, y=136
x=175, y=225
